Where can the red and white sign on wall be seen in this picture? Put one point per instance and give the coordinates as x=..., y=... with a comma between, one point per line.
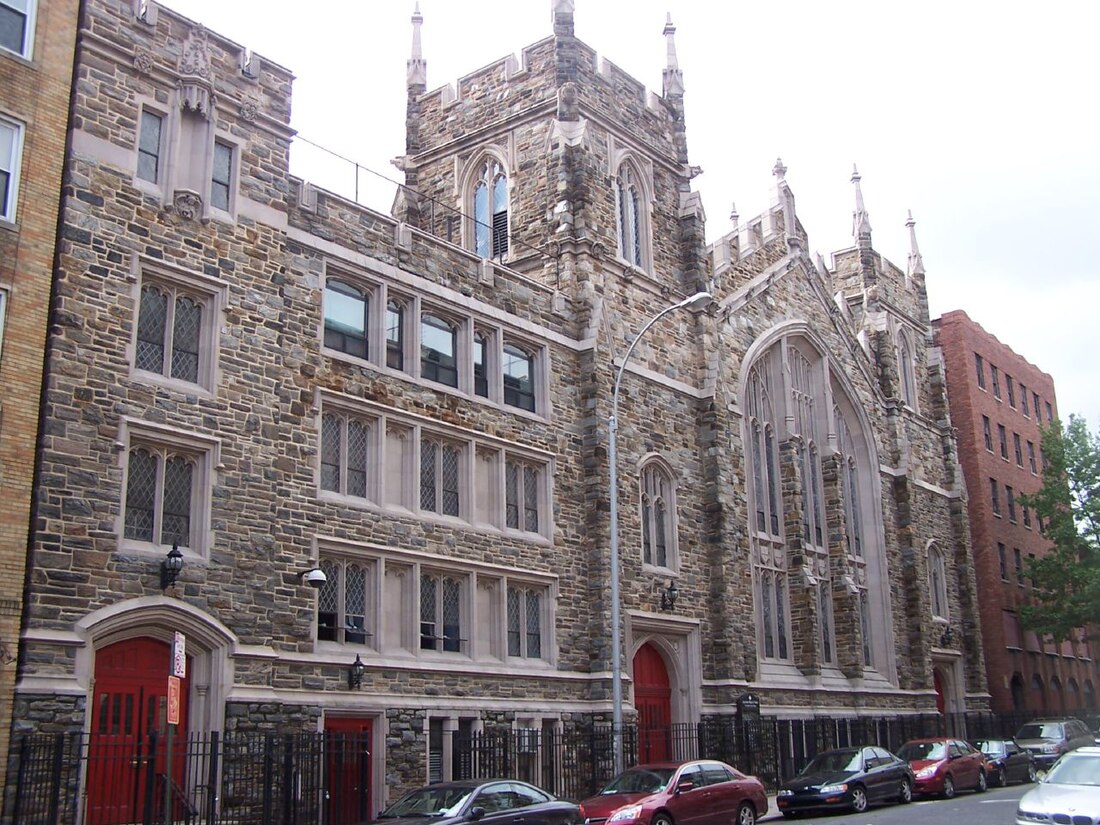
x=179, y=655
x=173, y=700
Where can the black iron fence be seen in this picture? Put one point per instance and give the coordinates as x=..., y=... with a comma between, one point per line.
x=325, y=778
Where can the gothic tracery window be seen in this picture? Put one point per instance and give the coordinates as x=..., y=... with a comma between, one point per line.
x=658, y=516
x=491, y=210
x=630, y=212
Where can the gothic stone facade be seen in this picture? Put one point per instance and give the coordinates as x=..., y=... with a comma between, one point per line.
x=277, y=380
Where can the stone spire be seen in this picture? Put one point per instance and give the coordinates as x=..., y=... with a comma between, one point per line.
x=735, y=219
x=416, y=73
x=786, y=201
x=561, y=15
x=916, y=262
x=673, y=77
x=861, y=222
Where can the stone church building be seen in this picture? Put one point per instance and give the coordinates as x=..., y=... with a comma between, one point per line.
x=379, y=442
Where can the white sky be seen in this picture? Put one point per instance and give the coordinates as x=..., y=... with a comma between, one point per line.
x=980, y=116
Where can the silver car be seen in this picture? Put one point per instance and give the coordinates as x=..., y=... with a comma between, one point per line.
x=1070, y=792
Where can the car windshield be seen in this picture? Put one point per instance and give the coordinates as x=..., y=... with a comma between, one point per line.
x=430, y=801
x=914, y=751
x=640, y=780
x=993, y=747
x=1040, y=730
x=1075, y=769
x=833, y=761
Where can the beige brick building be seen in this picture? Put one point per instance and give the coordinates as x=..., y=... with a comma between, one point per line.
x=37, y=40
x=284, y=384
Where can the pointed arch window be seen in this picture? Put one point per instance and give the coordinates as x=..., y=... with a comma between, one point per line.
x=631, y=215
x=906, y=372
x=491, y=210
x=937, y=582
x=658, y=516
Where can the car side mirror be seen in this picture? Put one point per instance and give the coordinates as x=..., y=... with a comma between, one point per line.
x=685, y=785
x=476, y=813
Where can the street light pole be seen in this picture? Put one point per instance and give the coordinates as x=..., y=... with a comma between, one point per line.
x=696, y=300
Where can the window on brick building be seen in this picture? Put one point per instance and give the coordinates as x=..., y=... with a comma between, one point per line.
x=987, y=433
x=1010, y=503
x=658, y=515
x=438, y=350
x=176, y=335
x=1002, y=439
x=1027, y=516
x=1018, y=563
x=3, y=315
x=1023, y=402
x=979, y=368
x=221, y=176
x=490, y=210
x=1010, y=388
x=995, y=381
x=167, y=489
x=1017, y=445
x=11, y=152
x=17, y=26
x=995, y=496
x=1050, y=412
x=1035, y=404
x=345, y=612
x=150, y=146
x=347, y=318
x=1002, y=560
x=1031, y=458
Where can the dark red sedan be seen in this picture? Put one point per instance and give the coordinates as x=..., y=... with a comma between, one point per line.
x=699, y=792
x=943, y=765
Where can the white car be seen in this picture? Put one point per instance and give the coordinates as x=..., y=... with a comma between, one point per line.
x=1070, y=792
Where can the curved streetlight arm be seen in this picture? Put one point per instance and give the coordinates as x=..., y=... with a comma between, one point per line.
x=698, y=299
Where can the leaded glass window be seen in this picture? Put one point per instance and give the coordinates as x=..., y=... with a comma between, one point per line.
x=525, y=622
x=631, y=218
x=345, y=454
x=440, y=613
x=658, y=501
x=159, y=493
x=439, y=477
x=521, y=496
x=169, y=334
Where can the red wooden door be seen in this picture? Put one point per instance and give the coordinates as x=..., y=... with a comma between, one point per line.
x=128, y=704
x=653, y=701
x=348, y=743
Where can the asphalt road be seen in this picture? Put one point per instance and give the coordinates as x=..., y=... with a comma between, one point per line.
x=996, y=806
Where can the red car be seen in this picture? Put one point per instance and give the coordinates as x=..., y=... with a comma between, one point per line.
x=699, y=792
x=943, y=766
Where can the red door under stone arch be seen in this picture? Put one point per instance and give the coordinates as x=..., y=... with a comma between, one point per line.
x=653, y=701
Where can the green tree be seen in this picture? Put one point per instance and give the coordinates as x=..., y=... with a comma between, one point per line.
x=1066, y=579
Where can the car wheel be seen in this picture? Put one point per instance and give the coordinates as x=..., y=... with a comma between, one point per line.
x=662, y=819
x=948, y=787
x=999, y=778
x=905, y=795
x=983, y=783
x=1032, y=774
x=746, y=814
x=859, y=799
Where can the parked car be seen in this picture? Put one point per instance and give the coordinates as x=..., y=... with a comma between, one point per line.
x=699, y=792
x=943, y=766
x=847, y=778
x=1007, y=762
x=1070, y=792
x=1047, y=739
x=487, y=802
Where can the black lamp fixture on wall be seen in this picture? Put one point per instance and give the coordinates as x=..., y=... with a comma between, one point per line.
x=355, y=673
x=668, y=596
x=170, y=568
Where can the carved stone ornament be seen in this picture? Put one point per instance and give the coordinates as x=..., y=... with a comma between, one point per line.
x=567, y=102
x=196, y=92
x=249, y=110
x=143, y=62
x=187, y=204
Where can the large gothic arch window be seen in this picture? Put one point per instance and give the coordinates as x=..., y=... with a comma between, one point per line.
x=632, y=215
x=489, y=208
x=658, y=515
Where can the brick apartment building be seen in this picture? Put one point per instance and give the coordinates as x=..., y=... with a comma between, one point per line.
x=37, y=40
x=270, y=382
x=999, y=403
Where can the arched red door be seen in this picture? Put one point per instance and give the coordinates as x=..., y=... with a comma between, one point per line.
x=130, y=703
x=653, y=701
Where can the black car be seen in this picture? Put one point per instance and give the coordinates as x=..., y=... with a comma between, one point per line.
x=1006, y=761
x=489, y=802
x=847, y=778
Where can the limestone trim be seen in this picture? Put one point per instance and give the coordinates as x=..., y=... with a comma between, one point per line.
x=679, y=642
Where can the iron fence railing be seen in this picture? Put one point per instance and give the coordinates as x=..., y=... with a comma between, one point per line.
x=325, y=778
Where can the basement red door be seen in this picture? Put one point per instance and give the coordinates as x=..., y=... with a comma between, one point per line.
x=130, y=703
x=653, y=701
x=348, y=743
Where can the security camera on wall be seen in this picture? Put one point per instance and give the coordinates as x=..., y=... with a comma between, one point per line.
x=315, y=578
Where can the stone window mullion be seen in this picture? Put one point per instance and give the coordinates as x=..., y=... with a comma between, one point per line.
x=802, y=592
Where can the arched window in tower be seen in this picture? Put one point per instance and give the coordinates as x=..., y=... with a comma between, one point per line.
x=769, y=549
x=906, y=374
x=937, y=581
x=658, y=516
x=491, y=210
x=631, y=215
